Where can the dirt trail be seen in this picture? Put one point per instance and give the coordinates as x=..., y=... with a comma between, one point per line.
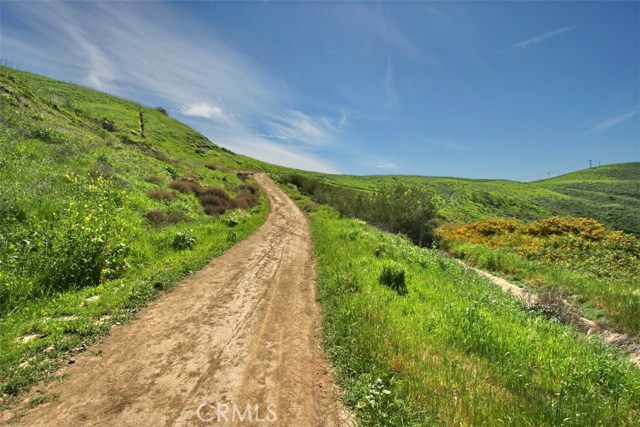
x=243, y=331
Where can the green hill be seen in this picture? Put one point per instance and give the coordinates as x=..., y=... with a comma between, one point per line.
x=610, y=194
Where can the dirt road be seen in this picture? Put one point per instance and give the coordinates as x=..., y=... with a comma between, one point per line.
x=243, y=331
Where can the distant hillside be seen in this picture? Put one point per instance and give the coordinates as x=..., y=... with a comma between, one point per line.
x=610, y=194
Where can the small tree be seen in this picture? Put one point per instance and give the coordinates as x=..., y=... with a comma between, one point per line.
x=404, y=208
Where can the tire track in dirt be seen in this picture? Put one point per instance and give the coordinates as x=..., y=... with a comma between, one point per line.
x=245, y=330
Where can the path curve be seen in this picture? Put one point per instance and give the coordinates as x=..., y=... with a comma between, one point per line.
x=245, y=330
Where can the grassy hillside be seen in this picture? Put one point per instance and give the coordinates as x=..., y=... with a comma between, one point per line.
x=419, y=340
x=104, y=204
x=610, y=194
x=578, y=259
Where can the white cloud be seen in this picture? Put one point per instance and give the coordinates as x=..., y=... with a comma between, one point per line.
x=390, y=85
x=260, y=147
x=203, y=109
x=386, y=165
x=296, y=126
x=539, y=38
x=614, y=121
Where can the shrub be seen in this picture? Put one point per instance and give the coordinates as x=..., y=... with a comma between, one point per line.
x=183, y=240
x=214, y=191
x=155, y=179
x=235, y=217
x=248, y=197
x=162, y=110
x=564, y=225
x=107, y=124
x=47, y=135
x=394, y=206
x=215, y=200
x=162, y=195
x=214, y=204
x=393, y=276
x=158, y=217
x=78, y=245
x=185, y=187
x=404, y=208
x=190, y=176
x=214, y=210
x=308, y=206
x=160, y=156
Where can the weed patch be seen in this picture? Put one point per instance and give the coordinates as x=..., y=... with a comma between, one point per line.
x=393, y=276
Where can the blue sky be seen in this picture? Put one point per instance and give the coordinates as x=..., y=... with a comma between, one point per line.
x=473, y=89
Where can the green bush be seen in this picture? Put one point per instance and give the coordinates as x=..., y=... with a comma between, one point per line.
x=394, y=206
x=183, y=240
x=393, y=276
x=234, y=217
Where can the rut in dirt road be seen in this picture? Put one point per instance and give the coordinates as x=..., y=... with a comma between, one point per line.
x=243, y=331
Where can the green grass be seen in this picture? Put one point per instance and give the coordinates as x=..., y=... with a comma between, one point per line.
x=454, y=350
x=91, y=227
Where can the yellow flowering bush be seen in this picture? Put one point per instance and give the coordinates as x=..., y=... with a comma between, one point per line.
x=577, y=243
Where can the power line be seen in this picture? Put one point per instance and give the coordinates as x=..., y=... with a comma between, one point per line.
x=556, y=172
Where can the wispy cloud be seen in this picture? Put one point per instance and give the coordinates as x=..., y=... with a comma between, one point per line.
x=202, y=109
x=539, y=39
x=390, y=85
x=296, y=126
x=448, y=145
x=612, y=121
x=271, y=136
x=263, y=147
x=148, y=54
x=393, y=35
x=386, y=165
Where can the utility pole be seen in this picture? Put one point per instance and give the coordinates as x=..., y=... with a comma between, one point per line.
x=589, y=164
